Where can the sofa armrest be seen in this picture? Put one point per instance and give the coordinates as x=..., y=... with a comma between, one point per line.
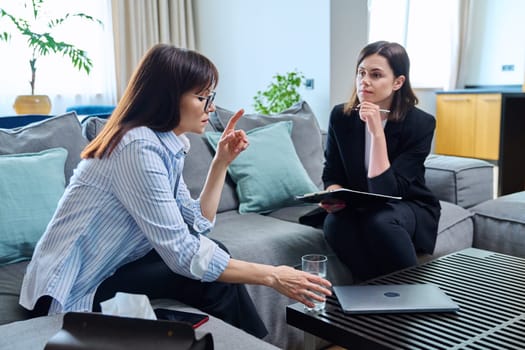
x=462, y=181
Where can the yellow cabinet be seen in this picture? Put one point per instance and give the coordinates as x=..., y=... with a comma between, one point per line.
x=487, y=126
x=468, y=125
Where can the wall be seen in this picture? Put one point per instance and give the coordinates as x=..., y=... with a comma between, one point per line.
x=498, y=39
x=348, y=35
x=250, y=43
x=322, y=38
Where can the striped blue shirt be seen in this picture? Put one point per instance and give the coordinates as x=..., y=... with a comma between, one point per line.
x=114, y=211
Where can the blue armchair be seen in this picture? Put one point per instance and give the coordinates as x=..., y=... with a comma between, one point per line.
x=96, y=110
x=10, y=122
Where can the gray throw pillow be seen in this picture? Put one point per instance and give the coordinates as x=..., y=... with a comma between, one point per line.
x=306, y=134
x=91, y=127
x=60, y=131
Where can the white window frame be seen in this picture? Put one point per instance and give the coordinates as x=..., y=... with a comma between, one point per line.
x=56, y=76
x=428, y=31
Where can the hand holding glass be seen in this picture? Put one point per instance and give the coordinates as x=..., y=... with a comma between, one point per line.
x=316, y=265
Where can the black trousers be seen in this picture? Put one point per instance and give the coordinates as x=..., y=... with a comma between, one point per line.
x=373, y=241
x=152, y=277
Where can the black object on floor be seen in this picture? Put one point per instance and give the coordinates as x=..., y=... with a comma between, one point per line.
x=103, y=332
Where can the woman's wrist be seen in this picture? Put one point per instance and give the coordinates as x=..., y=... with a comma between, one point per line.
x=219, y=164
x=271, y=277
x=268, y=275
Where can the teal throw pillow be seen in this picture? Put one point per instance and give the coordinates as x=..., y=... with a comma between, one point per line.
x=268, y=173
x=31, y=185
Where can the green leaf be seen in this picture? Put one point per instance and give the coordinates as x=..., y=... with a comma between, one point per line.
x=280, y=94
x=43, y=44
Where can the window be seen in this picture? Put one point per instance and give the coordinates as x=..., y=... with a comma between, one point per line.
x=55, y=75
x=427, y=30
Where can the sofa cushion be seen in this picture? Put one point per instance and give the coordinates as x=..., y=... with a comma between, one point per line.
x=306, y=134
x=455, y=229
x=60, y=131
x=11, y=277
x=263, y=239
x=30, y=186
x=462, y=181
x=499, y=224
x=269, y=173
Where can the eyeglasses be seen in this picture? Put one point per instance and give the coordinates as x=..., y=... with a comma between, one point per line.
x=209, y=100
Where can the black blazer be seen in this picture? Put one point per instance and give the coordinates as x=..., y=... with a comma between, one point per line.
x=408, y=144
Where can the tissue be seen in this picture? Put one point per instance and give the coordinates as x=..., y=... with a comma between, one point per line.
x=128, y=305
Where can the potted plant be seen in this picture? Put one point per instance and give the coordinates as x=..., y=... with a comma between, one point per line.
x=280, y=94
x=41, y=43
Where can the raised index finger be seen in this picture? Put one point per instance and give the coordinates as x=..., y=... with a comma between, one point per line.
x=233, y=120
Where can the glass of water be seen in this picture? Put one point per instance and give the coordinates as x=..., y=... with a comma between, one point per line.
x=316, y=265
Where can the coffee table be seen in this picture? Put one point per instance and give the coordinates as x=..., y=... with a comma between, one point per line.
x=488, y=286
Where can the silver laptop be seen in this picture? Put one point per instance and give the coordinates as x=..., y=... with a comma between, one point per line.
x=393, y=298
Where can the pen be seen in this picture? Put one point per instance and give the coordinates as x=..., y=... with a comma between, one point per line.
x=380, y=110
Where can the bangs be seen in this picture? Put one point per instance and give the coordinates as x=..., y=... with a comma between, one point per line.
x=201, y=73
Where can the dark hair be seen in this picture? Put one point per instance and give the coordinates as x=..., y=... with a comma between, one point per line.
x=152, y=97
x=398, y=60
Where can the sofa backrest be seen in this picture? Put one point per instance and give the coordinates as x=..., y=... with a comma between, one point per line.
x=306, y=137
x=38, y=160
x=462, y=181
x=59, y=131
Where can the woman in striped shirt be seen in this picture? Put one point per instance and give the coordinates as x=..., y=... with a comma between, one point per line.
x=126, y=221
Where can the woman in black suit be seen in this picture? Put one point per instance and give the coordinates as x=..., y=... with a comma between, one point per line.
x=378, y=142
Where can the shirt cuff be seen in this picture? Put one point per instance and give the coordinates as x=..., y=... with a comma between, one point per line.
x=201, y=224
x=210, y=261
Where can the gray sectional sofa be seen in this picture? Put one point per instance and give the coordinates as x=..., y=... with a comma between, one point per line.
x=271, y=235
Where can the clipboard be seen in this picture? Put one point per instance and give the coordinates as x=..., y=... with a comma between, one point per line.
x=351, y=197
